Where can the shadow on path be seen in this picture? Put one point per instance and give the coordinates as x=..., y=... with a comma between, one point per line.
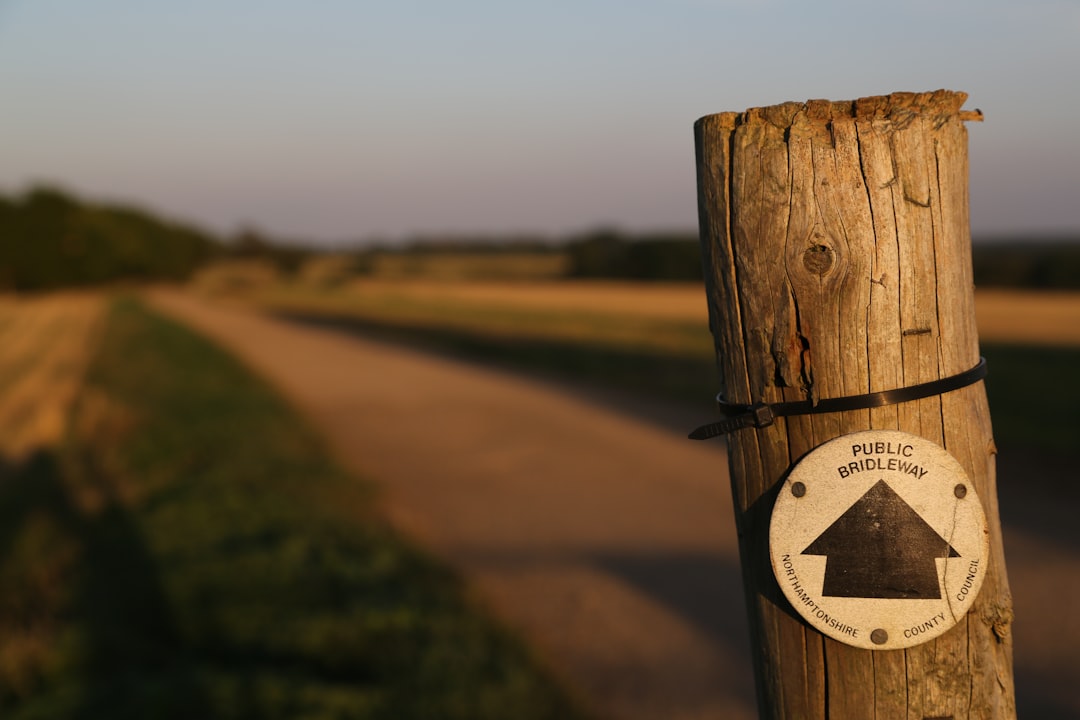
x=703, y=589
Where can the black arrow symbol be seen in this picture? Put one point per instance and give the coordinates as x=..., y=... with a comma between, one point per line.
x=881, y=548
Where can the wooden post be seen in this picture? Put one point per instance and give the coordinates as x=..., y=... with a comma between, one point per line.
x=838, y=262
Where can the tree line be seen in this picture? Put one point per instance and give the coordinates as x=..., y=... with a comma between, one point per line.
x=50, y=239
x=1040, y=263
x=1035, y=263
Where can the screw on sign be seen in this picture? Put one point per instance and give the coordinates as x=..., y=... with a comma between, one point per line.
x=878, y=540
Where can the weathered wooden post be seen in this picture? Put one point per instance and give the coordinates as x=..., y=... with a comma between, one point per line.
x=837, y=260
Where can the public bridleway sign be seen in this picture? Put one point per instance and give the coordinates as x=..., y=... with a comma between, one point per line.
x=878, y=539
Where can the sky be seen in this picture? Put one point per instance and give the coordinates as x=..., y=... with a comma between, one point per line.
x=341, y=120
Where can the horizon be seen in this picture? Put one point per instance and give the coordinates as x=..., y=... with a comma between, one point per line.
x=468, y=241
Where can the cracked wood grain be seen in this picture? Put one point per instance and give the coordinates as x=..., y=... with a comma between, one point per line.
x=836, y=244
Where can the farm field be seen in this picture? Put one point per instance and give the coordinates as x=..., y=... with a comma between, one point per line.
x=669, y=316
x=642, y=337
x=1028, y=318
x=44, y=349
x=176, y=543
x=653, y=339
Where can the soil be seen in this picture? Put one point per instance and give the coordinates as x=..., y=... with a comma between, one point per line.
x=606, y=540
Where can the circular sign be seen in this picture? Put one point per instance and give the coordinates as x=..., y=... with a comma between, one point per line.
x=878, y=540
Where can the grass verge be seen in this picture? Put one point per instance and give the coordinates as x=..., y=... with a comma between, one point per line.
x=190, y=552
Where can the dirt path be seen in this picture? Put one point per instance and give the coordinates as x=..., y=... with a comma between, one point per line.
x=607, y=542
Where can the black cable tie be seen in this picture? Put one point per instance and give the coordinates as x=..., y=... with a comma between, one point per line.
x=763, y=414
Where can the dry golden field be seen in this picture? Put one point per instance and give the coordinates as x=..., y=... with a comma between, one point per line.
x=1013, y=316
x=1004, y=316
x=45, y=344
x=521, y=265
x=1035, y=318
x=667, y=319
x=676, y=301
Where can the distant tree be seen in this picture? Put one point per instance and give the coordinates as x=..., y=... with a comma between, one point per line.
x=599, y=254
x=659, y=256
x=1028, y=263
x=49, y=239
x=251, y=244
x=665, y=257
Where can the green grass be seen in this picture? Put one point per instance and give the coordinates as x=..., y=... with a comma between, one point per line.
x=192, y=553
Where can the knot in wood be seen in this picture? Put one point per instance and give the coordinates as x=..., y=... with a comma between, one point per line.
x=819, y=259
